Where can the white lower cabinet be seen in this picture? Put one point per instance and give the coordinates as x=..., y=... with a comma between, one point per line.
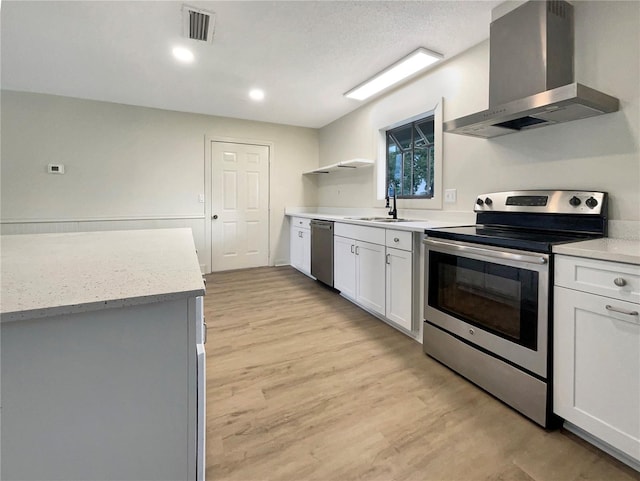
x=370, y=276
x=399, y=305
x=597, y=351
x=300, y=245
x=344, y=266
x=374, y=275
x=359, y=272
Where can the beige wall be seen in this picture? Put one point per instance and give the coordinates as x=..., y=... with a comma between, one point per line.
x=134, y=167
x=600, y=153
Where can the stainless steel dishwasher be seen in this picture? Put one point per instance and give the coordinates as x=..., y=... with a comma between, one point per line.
x=322, y=251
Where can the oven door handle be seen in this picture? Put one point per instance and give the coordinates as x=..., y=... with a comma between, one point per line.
x=530, y=259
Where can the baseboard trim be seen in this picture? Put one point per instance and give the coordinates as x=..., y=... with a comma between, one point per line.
x=602, y=445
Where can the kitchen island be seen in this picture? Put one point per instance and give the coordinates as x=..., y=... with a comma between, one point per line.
x=102, y=356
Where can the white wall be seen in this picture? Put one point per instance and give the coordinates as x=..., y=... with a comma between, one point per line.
x=600, y=153
x=133, y=167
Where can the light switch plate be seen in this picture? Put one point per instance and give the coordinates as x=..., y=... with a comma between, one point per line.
x=450, y=196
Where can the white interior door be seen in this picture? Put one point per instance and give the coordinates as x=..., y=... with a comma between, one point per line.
x=239, y=206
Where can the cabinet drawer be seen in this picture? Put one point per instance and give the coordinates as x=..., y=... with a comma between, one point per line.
x=611, y=279
x=375, y=235
x=301, y=222
x=399, y=239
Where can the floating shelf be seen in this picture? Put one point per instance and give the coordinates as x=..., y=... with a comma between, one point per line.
x=344, y=165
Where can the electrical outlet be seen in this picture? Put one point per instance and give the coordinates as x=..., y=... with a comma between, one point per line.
x=450, y=196
x=201, y=198
x=55, y=168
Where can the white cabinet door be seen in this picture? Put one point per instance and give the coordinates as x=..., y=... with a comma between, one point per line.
x=201, y=367
x=344, y=266
x=300, y=249
x=399, y=287
x=370, y=276
x=305, y=249
x=196, y=306
x=597, y=367
x=295, y=248
x=376, y=277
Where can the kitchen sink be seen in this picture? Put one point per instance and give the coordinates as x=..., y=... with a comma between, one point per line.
x=379, y=219
x=394, y=220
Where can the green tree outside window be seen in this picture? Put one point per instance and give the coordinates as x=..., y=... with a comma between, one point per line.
x=410, y=159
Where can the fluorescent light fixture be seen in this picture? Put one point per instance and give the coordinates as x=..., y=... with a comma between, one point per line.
x=183, y=54
x=404, y=68
x=256, y=94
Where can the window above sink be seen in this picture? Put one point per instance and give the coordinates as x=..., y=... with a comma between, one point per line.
x=410, y=159
x=427, y=194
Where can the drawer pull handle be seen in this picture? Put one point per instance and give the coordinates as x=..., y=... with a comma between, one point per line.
x=352, y=249
x=395, y=239
x=388, y=258
x=620, y=282
x=621, y=311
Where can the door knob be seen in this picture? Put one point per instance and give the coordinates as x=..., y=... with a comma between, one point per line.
x=214, y=217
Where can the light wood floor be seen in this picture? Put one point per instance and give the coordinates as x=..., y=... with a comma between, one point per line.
x=303, y=385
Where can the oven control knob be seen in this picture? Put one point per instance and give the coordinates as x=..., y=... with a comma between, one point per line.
x=488, y=201
x=479, y=201
x=574, y=201
x=591, y=202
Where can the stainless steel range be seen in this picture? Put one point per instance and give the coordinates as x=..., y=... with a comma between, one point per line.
x=488, y=296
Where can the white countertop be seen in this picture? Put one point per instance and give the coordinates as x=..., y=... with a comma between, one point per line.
x=618, y=250
x=416, y=225
x=53, y=274
x=611, y=249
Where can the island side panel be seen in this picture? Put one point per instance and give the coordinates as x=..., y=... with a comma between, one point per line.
x=97, y=395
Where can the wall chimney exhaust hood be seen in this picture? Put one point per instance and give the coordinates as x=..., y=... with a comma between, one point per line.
x=531, y=79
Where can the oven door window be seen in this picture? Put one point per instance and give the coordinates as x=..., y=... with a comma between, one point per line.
x=497, y=298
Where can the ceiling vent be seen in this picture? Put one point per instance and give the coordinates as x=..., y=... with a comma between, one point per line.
x=198, y=24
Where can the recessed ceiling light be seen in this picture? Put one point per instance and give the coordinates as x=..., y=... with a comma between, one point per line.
x=401, y=70
x=183, y=54
x=256, y=94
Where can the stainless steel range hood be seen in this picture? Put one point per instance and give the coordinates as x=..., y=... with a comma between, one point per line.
x=531, y=81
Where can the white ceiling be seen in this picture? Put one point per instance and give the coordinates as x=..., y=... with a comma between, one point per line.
x=305, y=55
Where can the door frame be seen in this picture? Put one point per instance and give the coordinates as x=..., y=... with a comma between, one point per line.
x=208, y=185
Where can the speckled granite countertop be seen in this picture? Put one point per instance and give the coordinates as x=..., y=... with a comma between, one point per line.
x=52, y=274
x=608, y=249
